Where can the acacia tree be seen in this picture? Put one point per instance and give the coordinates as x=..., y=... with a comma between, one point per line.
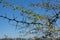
x=31, y=22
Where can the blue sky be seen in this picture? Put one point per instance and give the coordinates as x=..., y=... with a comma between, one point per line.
x=5, y=27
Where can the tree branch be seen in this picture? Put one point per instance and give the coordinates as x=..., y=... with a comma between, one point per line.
x=19, y=21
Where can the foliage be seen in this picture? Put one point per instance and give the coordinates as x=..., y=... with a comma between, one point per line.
x=36, y=21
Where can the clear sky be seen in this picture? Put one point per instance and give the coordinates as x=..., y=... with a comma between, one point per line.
x=5, y=27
